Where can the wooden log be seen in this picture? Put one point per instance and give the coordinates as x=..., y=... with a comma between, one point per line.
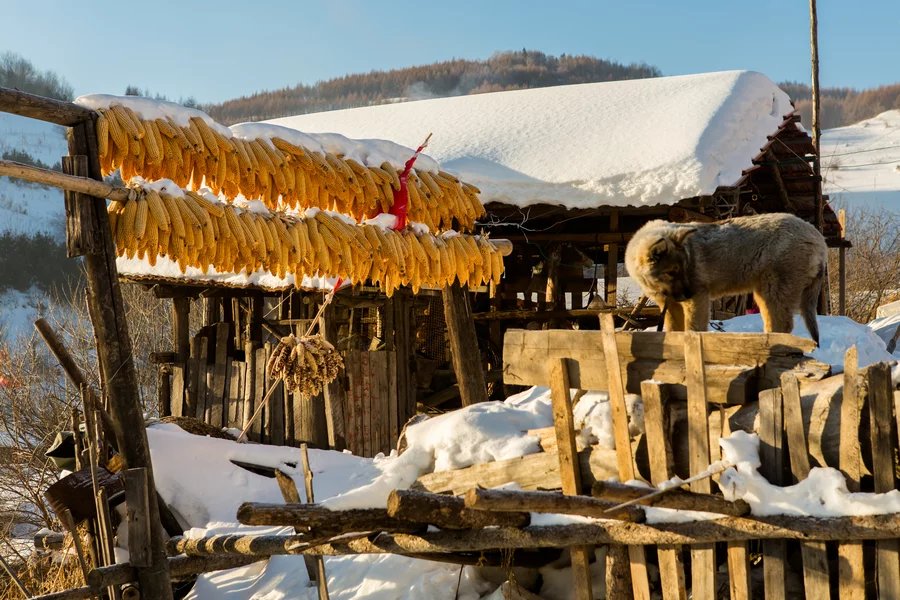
x=42, y=108
x=677, y=499
x=869, y=527
x=880, y=392
x=180, y=568
x=320, y=519
x=512, y=501
x=530, y=472
x=49, y=540
x=464, y=351
x=549, y=315
x=851, y=577
x=671, y=569
x=448, y=512
x=72, y=183
x=115, y=355
x=815, y=557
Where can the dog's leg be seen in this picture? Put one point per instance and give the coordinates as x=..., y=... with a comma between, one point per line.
x=674, y=316
x=696, y=313
x=809, y=302
x=777, y=317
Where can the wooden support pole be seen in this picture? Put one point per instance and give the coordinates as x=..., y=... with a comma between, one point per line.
x=464, y=350
x=65, y=181
x=321, y=578
x=318, y=518
x=449, y=512
x=181, y=328
x=335, y=392
x=115, y=356
x=611, y=275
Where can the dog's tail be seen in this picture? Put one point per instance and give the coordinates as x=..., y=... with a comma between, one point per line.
x=809, y=302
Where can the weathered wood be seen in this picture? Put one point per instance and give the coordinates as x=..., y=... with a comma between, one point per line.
x=448, y=512
x=815, y=558
x=877, y=527
x=880, y=391
x=181, y=328
x=321, y=578
x=218, y=391
x=732, y=359
x=547, y=502
x=234, y=402
x=50, y=540
x=115, y=356
x=317, y=518
x=137, y=507
x=529, y=314
x=624, y=454
x=42, y=108
x=851, y=577
x=677, y=499
x=180, y=567
x=81, y=237
x=618, y=573
x=671, y=569
x=703, y=557
x=771, y=425
x=335, y=392
x=530, y=472
x=464, y=351
x=106, y=538
x=65, y=517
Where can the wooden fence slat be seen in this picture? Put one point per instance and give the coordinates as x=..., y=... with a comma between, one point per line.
x=218, y=396
x=671, y=570
x=260, y=392
x=703, y=556
x=202, y=373
x=624, y=456
x=771, y=432
x=569, y=469
x=275, y=410
x=249, y=383
x=815, y=557
x=176, y=403
x=351, y=365
x=887, y=552
x=851, y=577
x=233, y=416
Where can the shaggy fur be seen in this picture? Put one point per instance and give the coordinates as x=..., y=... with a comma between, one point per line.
x=779, y=257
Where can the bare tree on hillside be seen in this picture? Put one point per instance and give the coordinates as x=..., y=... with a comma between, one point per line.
x=873, y=263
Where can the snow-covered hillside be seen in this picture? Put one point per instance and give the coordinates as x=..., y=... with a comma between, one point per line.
x=27, y=208
x=861, y=163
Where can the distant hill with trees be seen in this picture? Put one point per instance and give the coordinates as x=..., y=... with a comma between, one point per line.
x=19, y=73
x=843, y=106
x=503, y=71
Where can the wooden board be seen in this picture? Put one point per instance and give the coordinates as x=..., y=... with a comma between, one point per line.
x=851, y=577
x=771, y=432
x=202, y=378
x=256, y=429
x=703, y=556
x=234, y=415
x=176, y=403
x=880, y=392
x=732, y=361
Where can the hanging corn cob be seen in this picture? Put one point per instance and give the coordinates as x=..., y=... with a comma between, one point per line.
x=281, y=174
x=306, y=364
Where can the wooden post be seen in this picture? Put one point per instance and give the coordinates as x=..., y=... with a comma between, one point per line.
x=464, y=345
x=771, y=453
x=703, y=556
x=842, y=264
x=624, y=457
x=851, y=579
x=815, y=559
x=321, y=578
x=181, y=328
x=335, y=392
x=671, y=571
x=887, y=552
x=569, y=468
x=137, y=501
x=610, y=279
x=114, y=353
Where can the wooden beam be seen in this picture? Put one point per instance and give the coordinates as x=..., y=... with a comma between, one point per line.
x=779, y=181
x=73, y=183
x=115, y=355
x=50, y=110
x=464, y=351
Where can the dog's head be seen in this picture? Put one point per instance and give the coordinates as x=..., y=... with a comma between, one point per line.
x=665, y=264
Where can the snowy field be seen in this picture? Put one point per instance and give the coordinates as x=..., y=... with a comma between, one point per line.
x=196, y=476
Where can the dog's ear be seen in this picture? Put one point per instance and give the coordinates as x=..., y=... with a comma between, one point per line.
x=682, y=233
x=657, y=251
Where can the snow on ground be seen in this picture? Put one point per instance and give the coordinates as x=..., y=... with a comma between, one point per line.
x=861, y=163
x=636, y=142
x=196, y=477
x=26, y=207
x=885, y=328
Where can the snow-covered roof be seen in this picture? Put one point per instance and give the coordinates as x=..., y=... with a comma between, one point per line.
x=622, y=143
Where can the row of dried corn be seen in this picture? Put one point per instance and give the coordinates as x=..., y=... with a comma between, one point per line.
x=279, y=173
x=195, y=231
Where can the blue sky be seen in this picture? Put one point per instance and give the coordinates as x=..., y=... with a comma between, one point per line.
x=219, y=50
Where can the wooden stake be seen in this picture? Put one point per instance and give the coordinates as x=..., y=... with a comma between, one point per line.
x=671, y=570
x=851, y=578
x=815, y=558
x=624, y=456
x=887, y=552
x=321, y=577
x=464, y=345
x=569, y=468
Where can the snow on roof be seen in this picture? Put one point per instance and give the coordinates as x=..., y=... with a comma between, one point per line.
x=621, y=143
